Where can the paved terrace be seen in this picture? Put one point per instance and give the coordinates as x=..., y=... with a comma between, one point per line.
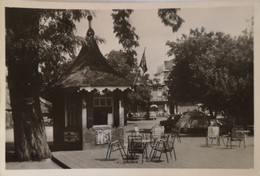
x=191, y=153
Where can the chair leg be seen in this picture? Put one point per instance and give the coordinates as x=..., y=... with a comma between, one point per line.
x=160, y=156
x=151, y=152
x=127, y=153
x=143, y=156
x=227, y=142
x=153, y=155
x=122, y=152
x=222, y=141
x=174, y=153
x=109, y=154
x=123, y=149
x=108, y=151
x=146, y=152
x=230, y=143
x=167, y=157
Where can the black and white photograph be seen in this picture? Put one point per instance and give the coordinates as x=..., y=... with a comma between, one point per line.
x=129, y=87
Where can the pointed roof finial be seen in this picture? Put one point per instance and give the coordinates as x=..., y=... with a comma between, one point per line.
x=90, y=32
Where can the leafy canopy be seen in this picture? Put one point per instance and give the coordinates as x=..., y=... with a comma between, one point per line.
x=215, y=69
x=171, y=18
x=126, y=34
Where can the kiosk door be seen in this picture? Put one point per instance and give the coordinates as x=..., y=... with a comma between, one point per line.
x=72, y=125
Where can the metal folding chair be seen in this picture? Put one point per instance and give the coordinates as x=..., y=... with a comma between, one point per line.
x=115, y=146
x=236, y=135
x=135, y=146
x=165, y=146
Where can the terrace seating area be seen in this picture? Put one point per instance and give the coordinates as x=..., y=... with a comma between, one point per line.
x=143, y=141
x=190, y=153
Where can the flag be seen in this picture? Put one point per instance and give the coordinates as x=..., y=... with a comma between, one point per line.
x=143, y=63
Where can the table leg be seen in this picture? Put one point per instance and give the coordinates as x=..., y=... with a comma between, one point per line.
x=245, y=141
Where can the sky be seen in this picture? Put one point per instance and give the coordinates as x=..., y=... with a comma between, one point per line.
x=154, y=34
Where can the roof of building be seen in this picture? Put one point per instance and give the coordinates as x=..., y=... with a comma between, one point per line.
x=91, y=69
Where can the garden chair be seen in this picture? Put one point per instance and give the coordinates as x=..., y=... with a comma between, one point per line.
x=135, y=146
x=157, y=133
x=165, y=146
x=235, y=135
x=115, y=146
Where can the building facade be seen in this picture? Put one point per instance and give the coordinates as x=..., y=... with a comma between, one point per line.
x=160, y=89
x=88, y=101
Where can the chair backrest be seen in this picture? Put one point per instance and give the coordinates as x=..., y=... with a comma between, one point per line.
x=157, y=131
x=170, y=141
x=135, y=143
x=213, y=131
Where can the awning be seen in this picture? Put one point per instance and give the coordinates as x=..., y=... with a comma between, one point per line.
x=101, y=89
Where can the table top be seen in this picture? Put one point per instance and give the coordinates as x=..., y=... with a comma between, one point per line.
x=145, y=130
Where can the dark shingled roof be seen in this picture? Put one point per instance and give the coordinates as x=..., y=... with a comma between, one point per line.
x=91, y=69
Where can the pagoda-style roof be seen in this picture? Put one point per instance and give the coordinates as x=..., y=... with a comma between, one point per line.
x=91, y=69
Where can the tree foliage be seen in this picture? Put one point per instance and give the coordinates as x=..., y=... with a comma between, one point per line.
x=215, y=69
x=118, y=60
x=141, y=95
x=170, y=18
x=141, y=84
x=126, y=34
x=56, y=42
x=125, y=61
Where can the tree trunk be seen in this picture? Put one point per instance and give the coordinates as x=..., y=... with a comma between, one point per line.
x=23, y=82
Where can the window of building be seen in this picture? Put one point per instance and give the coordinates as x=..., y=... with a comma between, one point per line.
x=102, y=100
x=102, y=109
